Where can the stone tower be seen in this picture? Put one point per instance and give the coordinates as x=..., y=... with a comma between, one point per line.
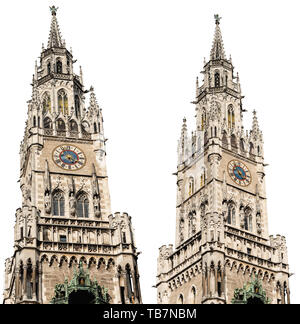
x=65, y=221
x=222, y=239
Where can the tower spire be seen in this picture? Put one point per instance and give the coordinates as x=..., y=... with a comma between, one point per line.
x=54, y=37
x=217, y=52
x=255, y=127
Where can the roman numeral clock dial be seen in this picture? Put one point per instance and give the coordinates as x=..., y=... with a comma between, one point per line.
x=239, y=173
x=69, y=157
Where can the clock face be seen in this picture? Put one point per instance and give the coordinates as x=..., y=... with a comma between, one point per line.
x=69, y=157
x=239, y=173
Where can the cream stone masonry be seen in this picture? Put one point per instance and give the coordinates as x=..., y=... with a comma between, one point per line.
x=222, y=237
x=66, y=216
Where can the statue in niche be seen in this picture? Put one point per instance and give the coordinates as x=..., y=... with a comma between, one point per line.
x=96, y=203
x=181, y=229
x=47, y=203
x=242, y=218
x=72, y=204
x=258, y=224
x=26, y=196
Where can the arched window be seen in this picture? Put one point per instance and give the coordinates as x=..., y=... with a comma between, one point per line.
x=58, y=204
x=129, y=284
x=82, y=205
x=248, y=220
x=61, y=126
x=34, y=121
x=231, y=214
x=47, y=123
x=242, y=146
x=77, y=106
x=73, y=126
x=46, y=103
x=258, y=150
x=191, y=186
x=224, y=140
x=85, y=127
x=58, y=66
x=49, y=68
x=95, y=128
x=203, y=120
x=193, y=296
x=233, y=142
x=63, y=105
x=230, y=117
x=251, y=148
x=219, y=280
x=217, y=79
x=205, y=138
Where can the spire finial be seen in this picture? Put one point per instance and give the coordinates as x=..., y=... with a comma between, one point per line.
x=53, y=10
x=255, y=126
x=217, y=19
x=217, y=51
x=55, y=39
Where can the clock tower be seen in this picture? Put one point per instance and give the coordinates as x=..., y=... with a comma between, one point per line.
x=223, y=249
x=65, y=222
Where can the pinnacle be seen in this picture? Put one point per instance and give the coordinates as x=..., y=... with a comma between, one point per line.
x=255, y=126
x=55, y=39
x=217, y=51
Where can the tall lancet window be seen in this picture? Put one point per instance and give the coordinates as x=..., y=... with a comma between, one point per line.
x=63, y=105
x=82, y=205
x=231, y=214
x=49, y=68
x=191, y=186
x=58, y=66
x=77, y=106
x=217, y=80
x=58, y=204
x=203, y=120
x=248, y=220
x=46, y=103
x=231, y=117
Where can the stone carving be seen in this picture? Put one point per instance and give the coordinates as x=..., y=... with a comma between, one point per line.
x=47, y=203
x=72, y=204
x=26, y=191
x=258, y=223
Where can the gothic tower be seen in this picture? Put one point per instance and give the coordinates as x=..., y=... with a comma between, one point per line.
x=223, y=248
x=65, y=222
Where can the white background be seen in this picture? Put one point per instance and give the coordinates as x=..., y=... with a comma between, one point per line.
x=143, y=56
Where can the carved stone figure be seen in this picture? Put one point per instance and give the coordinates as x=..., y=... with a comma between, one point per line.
x=72, y=204
x=47, y=203
x=96, y=203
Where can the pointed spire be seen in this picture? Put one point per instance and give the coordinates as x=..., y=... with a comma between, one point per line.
x=255, y=126
x=93, y=100
x=197, y=87
x=184, y=127
x=81, y=75
x=54, y=37
x=217, y=52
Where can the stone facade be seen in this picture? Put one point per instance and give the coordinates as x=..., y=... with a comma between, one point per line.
x=66, y=216
x=222, y=237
